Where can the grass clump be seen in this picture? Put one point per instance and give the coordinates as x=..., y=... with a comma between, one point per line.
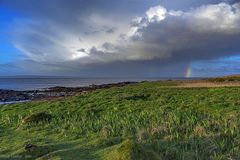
x=129, y=150
x=37, y=117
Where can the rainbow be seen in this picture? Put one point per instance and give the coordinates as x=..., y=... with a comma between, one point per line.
x=188, y=71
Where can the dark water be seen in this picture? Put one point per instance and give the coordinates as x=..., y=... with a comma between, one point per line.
x=38, y=83
x=13, y=102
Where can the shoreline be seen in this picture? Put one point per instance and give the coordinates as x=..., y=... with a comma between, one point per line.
x=13, y=102
x=15, y=96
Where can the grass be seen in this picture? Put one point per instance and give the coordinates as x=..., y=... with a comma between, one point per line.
x=232, y=78
x=150, y=120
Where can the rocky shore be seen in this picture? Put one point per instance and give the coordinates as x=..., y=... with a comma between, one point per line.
x=8, y=96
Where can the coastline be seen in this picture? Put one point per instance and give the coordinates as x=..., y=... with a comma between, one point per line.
x=13, y=102
x=14, y=96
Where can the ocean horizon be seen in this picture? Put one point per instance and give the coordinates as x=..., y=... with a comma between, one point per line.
x=33, y=83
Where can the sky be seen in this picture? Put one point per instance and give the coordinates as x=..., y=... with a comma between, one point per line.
x=128, y=38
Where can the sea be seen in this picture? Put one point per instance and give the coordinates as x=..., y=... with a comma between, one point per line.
x=34, y=83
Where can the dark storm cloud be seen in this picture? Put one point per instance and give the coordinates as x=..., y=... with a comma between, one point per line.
x=204, y=33
x=183, y=41
x=82, y=37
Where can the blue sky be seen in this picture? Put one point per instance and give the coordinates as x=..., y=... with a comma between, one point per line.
x=120, y=38
x=8, y=52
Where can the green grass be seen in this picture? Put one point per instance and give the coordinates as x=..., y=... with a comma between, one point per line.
x=150, y=120
x=233, y=78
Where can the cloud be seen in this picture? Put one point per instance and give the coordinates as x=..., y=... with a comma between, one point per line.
x=209, y=31
x=46, y=40
x=161, y=37
x=157, y=13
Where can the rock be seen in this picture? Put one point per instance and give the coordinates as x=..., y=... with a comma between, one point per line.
x=53, y=92
x=10, y=95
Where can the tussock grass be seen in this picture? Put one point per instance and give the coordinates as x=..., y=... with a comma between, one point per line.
x=140, y=121
x=36, y=118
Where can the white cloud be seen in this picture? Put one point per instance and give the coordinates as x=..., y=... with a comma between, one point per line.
x=223, y=17
x=205, y=32
x=157, y=12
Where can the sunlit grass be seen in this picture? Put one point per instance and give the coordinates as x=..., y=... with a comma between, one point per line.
x=140, y=121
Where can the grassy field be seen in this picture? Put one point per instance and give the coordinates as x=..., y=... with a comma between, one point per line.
x=150, y=120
